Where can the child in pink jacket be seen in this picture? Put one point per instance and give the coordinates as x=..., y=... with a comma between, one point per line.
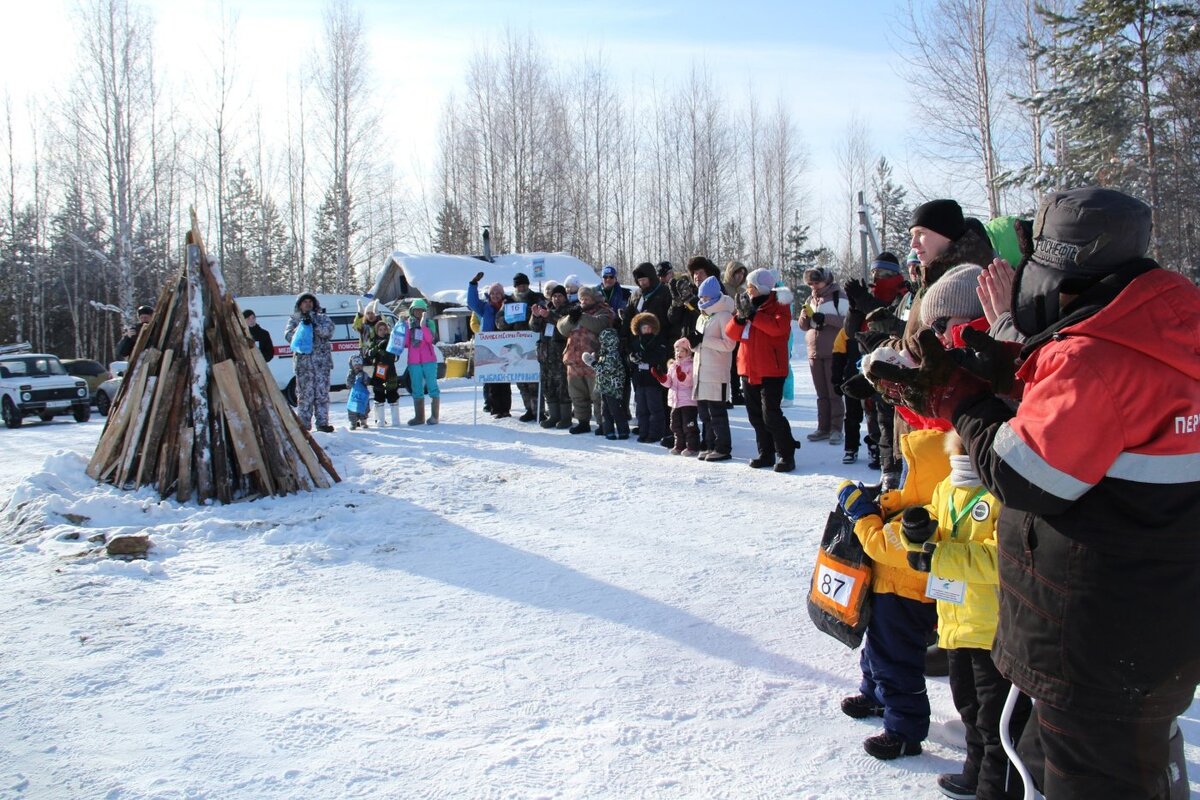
x=678, y=381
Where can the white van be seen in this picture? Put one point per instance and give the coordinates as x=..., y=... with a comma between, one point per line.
x=273, y=312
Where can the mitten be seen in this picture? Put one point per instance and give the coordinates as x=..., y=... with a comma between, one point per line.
x=658, y=376
x=589, y=359
x=679, y=373
x=937, y=388
x=575, y=313
x=745, y=307
x=922, y=560
x=818, y=320
x=478, y=277
x=633, y=359
x=883, y=320
x=917, y=527
x=854, y=502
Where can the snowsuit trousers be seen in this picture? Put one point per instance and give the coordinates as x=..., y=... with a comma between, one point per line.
x=581, y=387
x=651, y=401
x=714, y=417
x=830, y=410
x=529, y=396
x=312, y=391
x=685, y=429
x=498, y=397
x=979, y=692
x=885, y=418
x=383, y=392
x=772, y=431
x=1077, y=757
x=853, y=423
x=893, y=663
x=616, y=415
x=554, y=381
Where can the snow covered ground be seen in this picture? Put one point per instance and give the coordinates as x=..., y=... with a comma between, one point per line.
x=476, y=611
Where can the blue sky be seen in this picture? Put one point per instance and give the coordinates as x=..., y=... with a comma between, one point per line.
x=826, y=60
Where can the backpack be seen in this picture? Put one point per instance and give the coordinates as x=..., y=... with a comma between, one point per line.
x=839, y=600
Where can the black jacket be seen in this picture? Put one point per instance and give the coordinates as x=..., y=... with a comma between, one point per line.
x=263, y=340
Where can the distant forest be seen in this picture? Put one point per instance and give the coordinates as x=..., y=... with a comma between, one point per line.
x=1014, y=99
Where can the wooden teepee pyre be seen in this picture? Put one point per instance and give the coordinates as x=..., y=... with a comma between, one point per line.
x=199, y=414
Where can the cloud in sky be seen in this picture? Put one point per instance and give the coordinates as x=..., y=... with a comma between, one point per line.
x=825, y=61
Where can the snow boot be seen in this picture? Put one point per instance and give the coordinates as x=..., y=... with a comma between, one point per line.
x=379, y=415
x=859, y=706
x=436, y=410
x=551, y=419
x=394, y=408
x=564, y=416
x=959, y=786
x=529, y=416
x=887, y=745
x=582, y=427
x=418, y=411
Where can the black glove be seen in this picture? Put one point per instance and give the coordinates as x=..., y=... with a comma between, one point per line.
x=937, y=388
x=857, y=388
x=306, y=318
x=869, y=340
x=478, y=277
x=683, y=289
x=575, y=313
x=745, y=307
x=994, y=361
x=917, y=525
x=883, y=320
x=922, y=560
x=818, y=320
x=858, y=295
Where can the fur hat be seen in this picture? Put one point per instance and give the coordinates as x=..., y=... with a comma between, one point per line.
x=591, y=292
x=300, y=298
x=709, y=292
x=761, y=279
x=940, y=216
x=644, y=318
x=696, y=263
x=953, y=295
x=645, y=270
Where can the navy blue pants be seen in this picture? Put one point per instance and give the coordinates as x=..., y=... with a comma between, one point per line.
x=893, y=663
x=651, y=401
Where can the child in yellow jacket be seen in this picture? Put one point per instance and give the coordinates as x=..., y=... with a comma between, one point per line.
x=953, y=539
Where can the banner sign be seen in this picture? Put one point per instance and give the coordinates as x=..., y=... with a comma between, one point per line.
x=506, y=357
x=539, y=268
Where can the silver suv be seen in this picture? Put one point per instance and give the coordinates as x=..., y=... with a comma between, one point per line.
x=37, y=384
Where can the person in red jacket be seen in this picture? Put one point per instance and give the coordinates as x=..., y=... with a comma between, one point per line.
x=761, y=325
x=1098, y=469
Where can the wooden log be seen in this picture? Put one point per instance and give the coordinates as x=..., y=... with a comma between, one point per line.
x=202, y=472
x=167, y=375
x=183, y=484
x=110, y=450
x=168, y=463
x=240, y=423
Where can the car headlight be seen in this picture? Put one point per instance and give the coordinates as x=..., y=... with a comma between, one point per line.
x=82, y=392
x=26, y=396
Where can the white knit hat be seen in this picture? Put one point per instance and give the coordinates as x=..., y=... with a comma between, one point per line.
x=762, y=279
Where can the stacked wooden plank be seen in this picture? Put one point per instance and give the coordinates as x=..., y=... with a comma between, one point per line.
x=198, y=414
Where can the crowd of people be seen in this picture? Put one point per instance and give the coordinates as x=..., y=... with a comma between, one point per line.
x=1036, y=432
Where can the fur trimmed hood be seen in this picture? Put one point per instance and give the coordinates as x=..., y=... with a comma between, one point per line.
x=644, y=318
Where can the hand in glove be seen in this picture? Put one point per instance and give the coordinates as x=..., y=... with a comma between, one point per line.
x=922, y=560
x=575, y=313
x=882, y=320
x=478, y=277
x=936, y=388
x=589, y=359
x=634, y=359
x=680, y=375
x=818, y=320
x=854, y=502
x=994, y=361
x=306, y=318
x=917, y=527
x=858, y=295
x=658, y=376
x=745, y=308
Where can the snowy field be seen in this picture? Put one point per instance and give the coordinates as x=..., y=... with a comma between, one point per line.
x=491, y=611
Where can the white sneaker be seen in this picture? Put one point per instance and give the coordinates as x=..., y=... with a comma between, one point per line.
x=835, y=437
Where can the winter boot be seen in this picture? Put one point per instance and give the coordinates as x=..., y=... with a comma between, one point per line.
x=887, y=745
x=379, y=415
x=583, y=426
x=564, y=416
x=551, y=419
x=394, y=408
x=859, y=706
x=418, y=411
x=957, y=786
x=435, y=411
x=529, y=416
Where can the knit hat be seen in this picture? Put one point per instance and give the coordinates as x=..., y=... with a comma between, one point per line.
x=888, y=255
x=664, y=269
x=885, y=266
x=940, y=216
x=520, y=279
x=818, y=275
x=419, y=303
x=912, y=258
x=558, y=288
x=684, y=343
x=609, y=271
x=953, y=295
x=150, y=310
x=356, y=360
x=761, y=279
x=248, y=313
x=571, y=282
x=709, y=292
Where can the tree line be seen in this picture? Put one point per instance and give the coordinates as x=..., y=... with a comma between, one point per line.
x=1010, y=99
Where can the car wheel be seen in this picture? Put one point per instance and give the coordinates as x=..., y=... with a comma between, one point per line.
x=83, y=413
x=289, y=392
x=46, y=416
x=103, y=403
x=12, y=417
